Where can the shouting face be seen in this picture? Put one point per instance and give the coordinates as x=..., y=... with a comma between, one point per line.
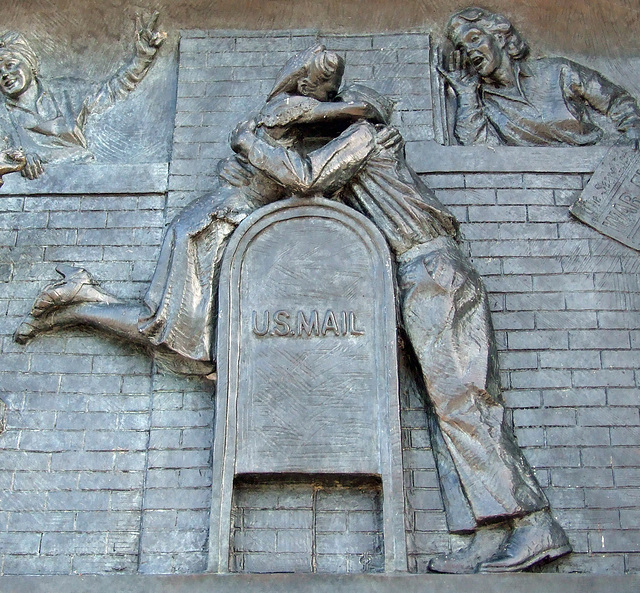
x=15, y=75
x=484, y=51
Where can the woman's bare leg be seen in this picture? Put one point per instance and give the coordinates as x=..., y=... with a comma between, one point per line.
x=116, y=319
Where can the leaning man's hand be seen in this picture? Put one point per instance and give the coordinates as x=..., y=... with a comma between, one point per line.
x=34, y=167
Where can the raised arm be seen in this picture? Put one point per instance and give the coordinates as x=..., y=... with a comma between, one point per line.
x=147, y=42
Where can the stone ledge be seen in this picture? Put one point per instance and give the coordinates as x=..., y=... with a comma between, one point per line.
x=307, y=583
x=90, y=178
x=214, y=33
x=431, y=157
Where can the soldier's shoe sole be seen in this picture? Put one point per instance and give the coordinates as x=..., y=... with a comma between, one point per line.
x=543, y=556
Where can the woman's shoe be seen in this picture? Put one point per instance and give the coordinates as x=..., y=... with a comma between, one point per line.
x=77, y=286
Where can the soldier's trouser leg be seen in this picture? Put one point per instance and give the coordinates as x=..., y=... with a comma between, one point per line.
x=447, y=319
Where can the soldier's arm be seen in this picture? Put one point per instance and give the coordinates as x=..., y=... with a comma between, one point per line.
x=324, y=170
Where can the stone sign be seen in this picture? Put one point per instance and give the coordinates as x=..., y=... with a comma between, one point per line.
x=307, y=373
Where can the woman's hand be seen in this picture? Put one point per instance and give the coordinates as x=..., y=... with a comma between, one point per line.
x=34, y=166
x=389, y=137
x=148, y=39
x=243, y=136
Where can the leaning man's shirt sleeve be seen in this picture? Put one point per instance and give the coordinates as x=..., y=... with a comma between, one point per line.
x=582, y=85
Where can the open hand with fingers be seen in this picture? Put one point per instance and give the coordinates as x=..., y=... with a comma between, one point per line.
x=458, y=71
x=235, y=170
x=33, y=167
x=388, y=137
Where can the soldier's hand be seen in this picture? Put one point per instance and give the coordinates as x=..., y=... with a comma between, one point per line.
x=389, y=137
x=148, y=39
x=234, y=170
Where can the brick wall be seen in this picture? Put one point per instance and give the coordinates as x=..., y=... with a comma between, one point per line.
x=308, y=525
x=565, y=307
x=72, y=466
x=177, y=498
x=224, y=78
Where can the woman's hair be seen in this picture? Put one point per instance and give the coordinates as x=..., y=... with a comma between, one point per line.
x=491, y=23
x=14, y=45
x=313, y=65
x=323, y=66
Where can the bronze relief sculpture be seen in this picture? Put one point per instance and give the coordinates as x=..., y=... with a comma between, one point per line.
x=503, y=97
x=179, y=310
x=310, y=139
x=446, y=318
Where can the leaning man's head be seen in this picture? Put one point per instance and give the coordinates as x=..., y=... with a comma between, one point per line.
x=478, y=32
x=18, y=65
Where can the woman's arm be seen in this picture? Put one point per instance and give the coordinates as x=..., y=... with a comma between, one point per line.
x=280, y=114
x=148, y=41
x=340, y=110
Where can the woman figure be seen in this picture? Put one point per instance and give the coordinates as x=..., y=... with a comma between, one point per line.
x=47, y=118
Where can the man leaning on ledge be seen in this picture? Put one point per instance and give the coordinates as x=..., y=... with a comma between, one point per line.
x=504, y=98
